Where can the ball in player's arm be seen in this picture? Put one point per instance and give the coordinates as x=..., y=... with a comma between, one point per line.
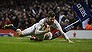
x=38, y=29
x=55, y=25
x=49, y=20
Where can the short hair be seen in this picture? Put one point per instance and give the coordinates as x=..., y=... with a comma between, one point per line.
x=51, y=14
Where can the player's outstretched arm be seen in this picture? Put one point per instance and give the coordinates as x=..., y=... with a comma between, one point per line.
x=62, y=33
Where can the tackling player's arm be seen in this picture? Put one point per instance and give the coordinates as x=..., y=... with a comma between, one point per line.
x=61, y=32
x=39, y=27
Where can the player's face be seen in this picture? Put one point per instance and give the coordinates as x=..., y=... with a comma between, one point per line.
x=51, y=19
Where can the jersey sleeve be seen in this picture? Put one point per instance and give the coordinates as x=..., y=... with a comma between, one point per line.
x=58, y=26
x=39, y=26
x=60, y=29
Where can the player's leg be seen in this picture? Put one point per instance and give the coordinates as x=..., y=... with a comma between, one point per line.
x=55, y=34
x=37, y=38
x=26, y=32
x=48, y=36
x=52, y=35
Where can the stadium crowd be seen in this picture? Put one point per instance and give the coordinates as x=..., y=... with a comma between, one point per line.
x=24, y=13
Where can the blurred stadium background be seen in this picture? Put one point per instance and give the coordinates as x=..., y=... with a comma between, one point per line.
x=24, y=13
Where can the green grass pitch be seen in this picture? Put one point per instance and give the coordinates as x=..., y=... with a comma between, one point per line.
x=23, y=44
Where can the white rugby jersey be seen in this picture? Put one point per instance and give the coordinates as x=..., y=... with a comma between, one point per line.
x=35, y=29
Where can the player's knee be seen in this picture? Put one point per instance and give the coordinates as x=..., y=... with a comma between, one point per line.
x=46, y=37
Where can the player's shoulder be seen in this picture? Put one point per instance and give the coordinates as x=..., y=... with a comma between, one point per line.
x=55, y=21
x=43, y=20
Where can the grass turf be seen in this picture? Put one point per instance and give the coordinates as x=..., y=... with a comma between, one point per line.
x=23, y=44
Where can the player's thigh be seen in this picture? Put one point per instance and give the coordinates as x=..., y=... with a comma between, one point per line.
x=29, y=30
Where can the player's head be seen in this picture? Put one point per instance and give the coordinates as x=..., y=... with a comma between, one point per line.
x=51, y=16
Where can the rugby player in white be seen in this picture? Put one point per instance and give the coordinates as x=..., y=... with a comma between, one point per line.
x=36, y=28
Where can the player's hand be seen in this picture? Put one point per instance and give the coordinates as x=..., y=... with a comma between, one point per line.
x=71, y=42
x=47, y=29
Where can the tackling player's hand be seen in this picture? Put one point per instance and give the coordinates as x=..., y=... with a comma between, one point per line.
x=69, y=41
x=47, y=29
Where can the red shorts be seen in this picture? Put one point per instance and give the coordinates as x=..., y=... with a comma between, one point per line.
x=54, y=31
